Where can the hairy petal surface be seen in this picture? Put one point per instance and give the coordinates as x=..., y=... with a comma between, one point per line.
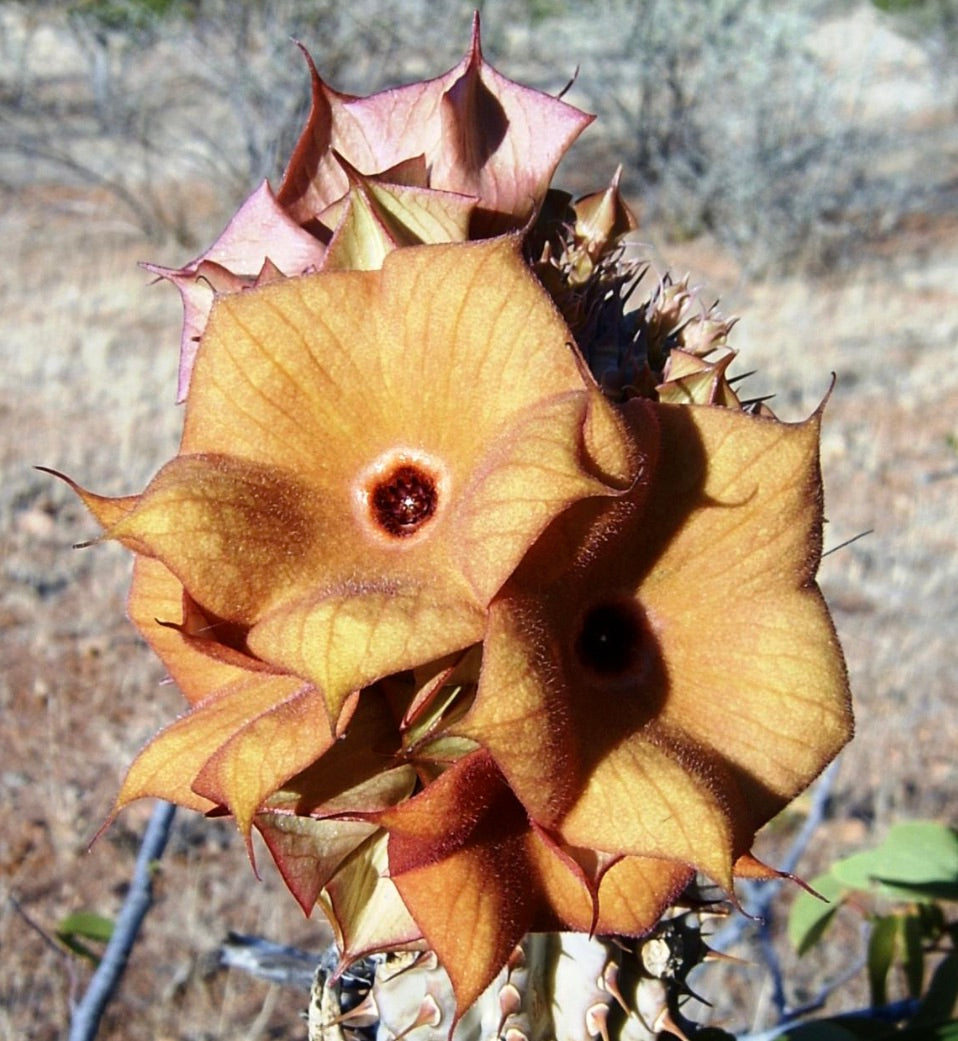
x=763, y=682
x=477, y=874
x=479, y=133
x=233, y=749
x=458, y=856
x=650, y=669
x=158, y=607
x=358, y=477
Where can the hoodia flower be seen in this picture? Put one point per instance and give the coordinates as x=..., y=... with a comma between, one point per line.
x=470, y=131
x=406, y=833
x=466, y=155
x=477, y=873
x=661, y=675
x=366, y=458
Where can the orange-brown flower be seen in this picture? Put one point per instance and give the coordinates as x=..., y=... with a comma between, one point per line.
x=357, y=478
x=477, y=873
x=660, y=675
x=658, y=678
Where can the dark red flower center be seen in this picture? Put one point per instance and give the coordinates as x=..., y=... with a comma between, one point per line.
x=614, y=640
x=404, y=500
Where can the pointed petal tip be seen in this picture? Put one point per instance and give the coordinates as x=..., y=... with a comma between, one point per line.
x=820, y=409
x=475, y=42
x=750, y=867
x=104, y=827
x=106, y=511
x=353, y=174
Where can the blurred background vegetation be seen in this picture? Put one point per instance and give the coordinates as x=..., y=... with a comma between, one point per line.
x=731, y=117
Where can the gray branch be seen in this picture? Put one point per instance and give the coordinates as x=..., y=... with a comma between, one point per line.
x=274, y=962
x=85, y=1020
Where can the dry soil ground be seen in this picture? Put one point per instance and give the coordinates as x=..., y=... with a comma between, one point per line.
x=88, y=363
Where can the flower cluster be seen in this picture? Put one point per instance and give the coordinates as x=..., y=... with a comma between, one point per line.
x=494, y=605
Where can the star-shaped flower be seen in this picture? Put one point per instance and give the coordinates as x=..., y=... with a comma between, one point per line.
x=493, y=603
x=366, y=458
x=660, y=675
x=466, y=155
x=470, y=131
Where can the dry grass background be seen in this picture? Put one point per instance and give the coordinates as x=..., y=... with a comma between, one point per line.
x=88, y=353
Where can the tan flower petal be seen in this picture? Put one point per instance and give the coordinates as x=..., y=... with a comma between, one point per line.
x=308, y=852
x=458, y=856
x=364, y=906
x=625, y=897
x=235, y=532
x=155, y=606
x=260, y=231
x=265, y=752
x=323, y=374
x=360, y=774
x=345, y=642
x=760, y=678
x=645, y=799
x=635, y=891
x=587, y=764
x=530, y=474
x=476, y=875
x=235, y=727
x=106, y=510
x=310, y=847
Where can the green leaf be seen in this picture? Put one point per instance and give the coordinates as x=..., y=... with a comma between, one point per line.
x=920, y=892
x=88, y=925
x=913, y=928
x=84, y=925
x=940, y=1001
x=918, y=859
x=810, y=917
x=882, y=947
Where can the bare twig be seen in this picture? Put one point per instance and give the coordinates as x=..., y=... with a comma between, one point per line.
x=37, y=928
x=85, y=1020
x=758, y=899
x=274, y=962
x=893, y=1013
x=51, y=943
